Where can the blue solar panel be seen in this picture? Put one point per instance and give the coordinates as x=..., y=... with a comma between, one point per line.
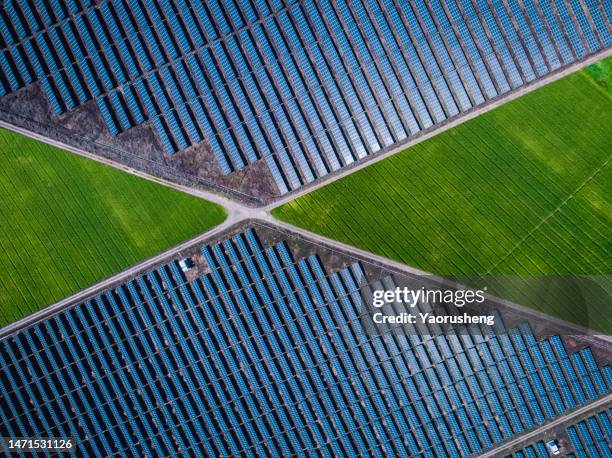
x=156, y=365
x=308, y=87
x=591, y=437
x=537, y=450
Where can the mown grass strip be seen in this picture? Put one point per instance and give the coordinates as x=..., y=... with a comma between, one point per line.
x=67, y=222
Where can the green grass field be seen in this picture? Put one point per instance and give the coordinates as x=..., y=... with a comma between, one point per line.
x=602, y=73
x=521, y=190
x=66, y=222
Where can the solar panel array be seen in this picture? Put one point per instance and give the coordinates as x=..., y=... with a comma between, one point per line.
x=266, y=355
x=309, y=86
x=592, y=438
x=537, y=450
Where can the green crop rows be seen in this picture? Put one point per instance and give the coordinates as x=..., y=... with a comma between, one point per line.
x=67, y=222
x=522, y=190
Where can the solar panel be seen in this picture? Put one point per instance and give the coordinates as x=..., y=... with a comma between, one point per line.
x=307, y=86
x=265, y=353
x=591, y=436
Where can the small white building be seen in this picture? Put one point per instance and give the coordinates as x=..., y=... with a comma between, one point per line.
x=186, y=264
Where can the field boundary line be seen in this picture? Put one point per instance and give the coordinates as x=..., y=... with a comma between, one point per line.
x=551, y=214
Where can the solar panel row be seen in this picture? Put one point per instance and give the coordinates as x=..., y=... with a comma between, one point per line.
x=592, y=438
x=538, y=450
x=308, y=86
x=267, y=355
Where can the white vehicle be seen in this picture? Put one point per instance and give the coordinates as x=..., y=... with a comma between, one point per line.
x=553, y=447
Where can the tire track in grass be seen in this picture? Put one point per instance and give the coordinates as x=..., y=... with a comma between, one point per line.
x=400, y=209
x=391, y=207
x=526, y=157
x=395, y=208
x=577, y=246
x=475, y=196
x=596, y=251
x=424, y=203
x=473, y=199
x=528, y=186
x=424, y=160
x=551, y=214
